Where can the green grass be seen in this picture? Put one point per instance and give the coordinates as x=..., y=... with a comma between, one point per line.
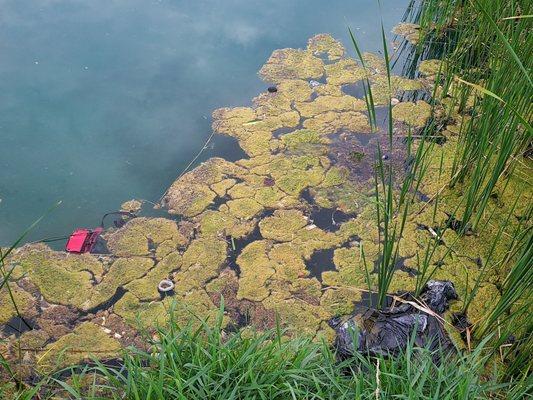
x=204, y=363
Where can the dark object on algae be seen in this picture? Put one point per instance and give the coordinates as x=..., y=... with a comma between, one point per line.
x=387, y=332
x=272, y=89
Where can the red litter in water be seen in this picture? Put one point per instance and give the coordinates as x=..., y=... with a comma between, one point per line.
x=82, y=240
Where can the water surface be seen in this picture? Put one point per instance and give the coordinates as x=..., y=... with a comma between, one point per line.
x=103, y=101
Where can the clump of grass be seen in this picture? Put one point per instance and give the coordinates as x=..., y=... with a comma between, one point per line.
x=206, y=363
x=393, y=201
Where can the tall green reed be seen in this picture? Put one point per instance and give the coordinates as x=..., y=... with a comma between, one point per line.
x=488, y=54
x=393, y=200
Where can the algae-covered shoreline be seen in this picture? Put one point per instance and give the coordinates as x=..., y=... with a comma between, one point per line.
x=249, y=230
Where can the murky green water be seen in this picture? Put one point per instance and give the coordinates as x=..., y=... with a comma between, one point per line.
x=104, y=101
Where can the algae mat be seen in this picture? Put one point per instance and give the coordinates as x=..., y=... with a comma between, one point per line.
x=281, y=232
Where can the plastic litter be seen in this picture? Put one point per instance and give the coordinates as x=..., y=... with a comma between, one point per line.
x=165, y=286
x=387, y=332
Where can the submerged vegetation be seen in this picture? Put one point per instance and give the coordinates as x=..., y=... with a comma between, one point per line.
x=358, y=184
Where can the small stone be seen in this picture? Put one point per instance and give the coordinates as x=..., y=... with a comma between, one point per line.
x=272, y=89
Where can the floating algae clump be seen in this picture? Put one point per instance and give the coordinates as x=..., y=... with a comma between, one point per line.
x=145, y=288
x=413, y=114
x=191, y=194
x=131, y=206
x=330, y=103
x=325, y=44
x=332, y=122
x=294, y=174
x=22, y=299
x=142, y=235
x=220, y=222
x=61, y=278
x=292, y=64
x=85, y=340
x=340, y=301
x=277, y=204
x=244, y=208
x=121, y=272
x=431, y=67
x=255, y=268
x=350, y=269
x=300, y=317
x=283, y=225
x=410, y=31
x=344, y=72
x=304, y=141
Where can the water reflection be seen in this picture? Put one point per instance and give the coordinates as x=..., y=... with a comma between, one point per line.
x=102, y=101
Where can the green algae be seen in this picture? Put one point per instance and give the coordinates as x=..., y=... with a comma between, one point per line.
x=298, y=316
x=132, y=206
x=22, y=299
x=347, y=197
x=290, y=263
x=343, y=72
x=223, y=223
x=332, y=122
x=145, y=288
x=414, y=114
x=191, y=194
x=140, y=235
x=221, y=188
x=293, y=174
x=85, y=340
x=121, y=272
x=324, y=44
x=382, y=92
x=244, y=208
x=410, y=31
x=329, y=90
x=340, y=301
x=282, y=225
x=205, y=251
x=61, y=278
x=330, y=103
x=335, y=176
x=431, y=67
x=291, y=64
x=483, y=302
x=256, y=268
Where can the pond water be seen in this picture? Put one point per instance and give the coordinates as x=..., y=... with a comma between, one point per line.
x=103, y=101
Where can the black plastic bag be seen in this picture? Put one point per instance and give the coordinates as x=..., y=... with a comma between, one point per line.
x=387, y=332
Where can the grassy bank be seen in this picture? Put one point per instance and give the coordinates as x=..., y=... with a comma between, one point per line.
x=203, y=363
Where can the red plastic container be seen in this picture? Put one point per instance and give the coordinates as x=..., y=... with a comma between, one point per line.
x=82, y=240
